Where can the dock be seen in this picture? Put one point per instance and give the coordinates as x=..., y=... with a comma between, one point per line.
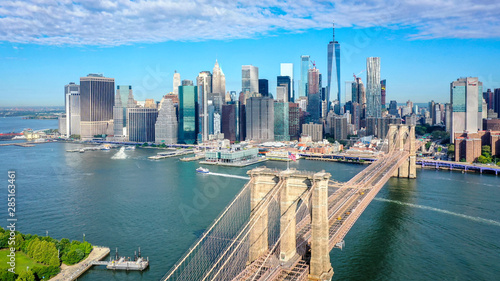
x=21, y=144
x=194, y=158
x=235, y=164
x=125, y=263
x=74, y=271
x=163, y=155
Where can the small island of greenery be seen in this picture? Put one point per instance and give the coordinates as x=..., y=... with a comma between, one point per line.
x=38, y=257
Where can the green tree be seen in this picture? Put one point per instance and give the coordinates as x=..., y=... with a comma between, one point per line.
x=451, y=149
x=440, y=149
x=428, y=145
x=486, y=151
x=26, y=276
x=482, y=159
x=6, y=275
x=64, y=245
x=73, y=256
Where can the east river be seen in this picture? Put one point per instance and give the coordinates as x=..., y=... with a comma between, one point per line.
x=441, y=226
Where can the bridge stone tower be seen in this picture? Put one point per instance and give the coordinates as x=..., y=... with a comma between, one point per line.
x=293, y=187
x=402, y=137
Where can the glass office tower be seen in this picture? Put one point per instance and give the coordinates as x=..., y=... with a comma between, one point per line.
x=188, y=113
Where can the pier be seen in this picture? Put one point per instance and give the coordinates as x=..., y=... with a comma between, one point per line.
x=163, y=155
x=21, y=144
x=194, y=158
x=74, y=271
x=125, y=263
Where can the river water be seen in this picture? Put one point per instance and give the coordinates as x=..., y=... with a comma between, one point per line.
x=441, y=226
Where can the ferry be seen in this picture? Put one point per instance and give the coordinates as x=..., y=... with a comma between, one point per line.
x=202, y=170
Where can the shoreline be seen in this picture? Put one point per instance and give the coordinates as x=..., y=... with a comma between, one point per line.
x=72, y=272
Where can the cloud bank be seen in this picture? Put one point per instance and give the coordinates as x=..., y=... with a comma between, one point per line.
x=111, y=23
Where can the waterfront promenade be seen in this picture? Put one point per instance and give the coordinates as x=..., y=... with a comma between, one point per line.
x=71, y=272
x=451, y=165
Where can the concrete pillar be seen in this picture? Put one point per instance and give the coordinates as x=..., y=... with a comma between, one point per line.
x=393, y=136
x=404, y=168
x=412, y=173
x=290, y=194
x=320, y=267
x=263, y=182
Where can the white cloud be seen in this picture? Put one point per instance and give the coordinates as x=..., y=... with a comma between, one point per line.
x=106, y=22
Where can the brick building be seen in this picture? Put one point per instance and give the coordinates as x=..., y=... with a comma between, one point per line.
x=468, y=145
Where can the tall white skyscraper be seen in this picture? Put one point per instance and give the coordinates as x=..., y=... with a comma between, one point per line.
x=124, y=99
x=286, y=69
x=466, y=103
x=72, y=103
x=177, y=83
x=373, y=88
x=204, y=83
x=166, y=125
x=249, y=79
x=333, y=89
x=218, y=80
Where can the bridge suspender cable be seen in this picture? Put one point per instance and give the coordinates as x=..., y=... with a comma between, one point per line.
x=168, y=275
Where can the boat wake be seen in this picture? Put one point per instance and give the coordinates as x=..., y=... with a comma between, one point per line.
x=120, y=154
x=228, y=176
x=477, y=219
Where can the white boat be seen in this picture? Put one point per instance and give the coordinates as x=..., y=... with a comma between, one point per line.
x=130, y=147
x=202, y=170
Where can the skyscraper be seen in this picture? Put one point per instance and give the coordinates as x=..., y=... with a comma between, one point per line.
x=176, y=83
x=489, y=98
x=141, y=124
x=285, y=81
x=264, y=87
x=230, y=121
x=124, y=99
x=97, y=98
x=314, y=95
x=373, y=92
x=72, y=106
x=281, y=121
x=383, y=84
x=496, y=99
x=204, y=83
x=218, y=80
x=260, y=119
x=188, y=114
x=249, y=79
x=166, y=126
x=393, y=108
x=304, y=72
x=281, y=93
x=466, y=102
x=294, y=120
x=286, y=69
x=359, y=94
x=333, y=89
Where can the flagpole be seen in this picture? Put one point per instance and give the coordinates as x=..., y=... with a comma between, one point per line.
x=288, y=164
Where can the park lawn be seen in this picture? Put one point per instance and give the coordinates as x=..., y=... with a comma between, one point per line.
x=22, y=261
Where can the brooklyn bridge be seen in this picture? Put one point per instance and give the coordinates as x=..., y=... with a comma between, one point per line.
x=283, y=224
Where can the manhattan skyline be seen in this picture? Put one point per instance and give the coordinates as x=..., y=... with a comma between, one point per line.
x=418, y=60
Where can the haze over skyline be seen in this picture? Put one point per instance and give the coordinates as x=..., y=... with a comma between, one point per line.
x=423, y=46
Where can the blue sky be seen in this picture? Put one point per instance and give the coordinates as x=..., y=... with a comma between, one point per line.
x=45, y=44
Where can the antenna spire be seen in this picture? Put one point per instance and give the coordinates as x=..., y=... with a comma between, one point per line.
x=333, y=32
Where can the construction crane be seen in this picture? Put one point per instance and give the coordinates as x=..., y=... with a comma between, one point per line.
x=313, y=63
x=356, y=75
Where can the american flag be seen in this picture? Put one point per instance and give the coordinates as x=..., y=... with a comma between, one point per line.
x=292, y=156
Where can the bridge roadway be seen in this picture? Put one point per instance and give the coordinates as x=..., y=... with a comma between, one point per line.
x=346, y=204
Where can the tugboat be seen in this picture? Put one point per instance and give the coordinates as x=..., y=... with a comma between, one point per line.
x=202, y=170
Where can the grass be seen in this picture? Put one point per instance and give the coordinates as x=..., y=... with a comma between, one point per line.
x=22, y=261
